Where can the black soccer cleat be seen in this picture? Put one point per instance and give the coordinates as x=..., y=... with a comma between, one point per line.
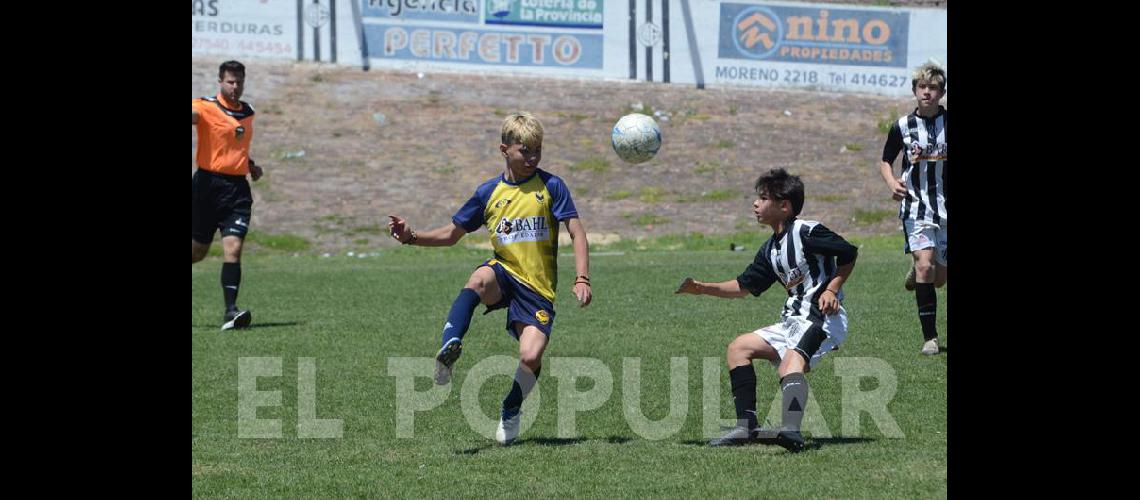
x=236, y=319
x=792, y=441
x=445, y=358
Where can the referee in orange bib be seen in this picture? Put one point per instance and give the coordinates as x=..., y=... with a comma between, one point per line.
x=221, y=197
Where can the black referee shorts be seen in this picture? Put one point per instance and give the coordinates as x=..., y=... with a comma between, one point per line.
x=220, y=202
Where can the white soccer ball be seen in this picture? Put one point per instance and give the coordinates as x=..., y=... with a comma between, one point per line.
x=636, y=138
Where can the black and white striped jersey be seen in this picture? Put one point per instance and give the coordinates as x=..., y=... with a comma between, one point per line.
x=924, y=164
x=803, y=258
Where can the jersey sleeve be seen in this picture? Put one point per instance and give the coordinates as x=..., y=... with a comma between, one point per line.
x=894, y=144
x=198, y=105
x=820, y=240
x=759, y=274
x=562, y=204
x=471, y=215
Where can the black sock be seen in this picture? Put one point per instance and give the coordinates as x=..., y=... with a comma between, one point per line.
x=518, y=393
x=794, y=387
x=231, y=279
x=927, y=308
x=744, y=394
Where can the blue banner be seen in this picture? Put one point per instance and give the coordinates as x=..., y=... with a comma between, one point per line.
x=813, y=35
x=440, y=44
x=558, y=13
x=463, y=11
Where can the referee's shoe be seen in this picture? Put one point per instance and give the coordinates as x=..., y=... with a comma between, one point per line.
x=236, y=319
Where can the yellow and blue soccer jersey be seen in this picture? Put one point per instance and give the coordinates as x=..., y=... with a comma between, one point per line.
x=523, y=221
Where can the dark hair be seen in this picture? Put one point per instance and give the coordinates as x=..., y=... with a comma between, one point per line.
x=233, y=67
x=779, y=185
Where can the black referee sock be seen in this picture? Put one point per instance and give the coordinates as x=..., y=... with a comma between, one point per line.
x=927, y=308
x=744, y=394
x=231, y=279
x=794, y=387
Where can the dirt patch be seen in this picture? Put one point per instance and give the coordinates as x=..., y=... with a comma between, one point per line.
x=381, y=142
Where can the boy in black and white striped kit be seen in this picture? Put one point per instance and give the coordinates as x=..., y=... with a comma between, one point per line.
x=922, y=191
x=811, y=263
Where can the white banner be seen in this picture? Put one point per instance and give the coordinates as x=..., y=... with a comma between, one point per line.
x=840, y=48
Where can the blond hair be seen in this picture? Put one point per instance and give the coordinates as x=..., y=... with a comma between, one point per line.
x=929, y=72
x=522, y=128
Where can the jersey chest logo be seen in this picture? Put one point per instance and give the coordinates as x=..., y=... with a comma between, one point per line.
x=793, y=278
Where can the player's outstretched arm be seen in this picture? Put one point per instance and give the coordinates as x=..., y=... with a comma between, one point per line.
x=443, y=236
x=725, y=289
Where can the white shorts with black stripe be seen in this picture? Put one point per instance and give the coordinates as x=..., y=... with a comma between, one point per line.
x=796, y=332
x=921, y=235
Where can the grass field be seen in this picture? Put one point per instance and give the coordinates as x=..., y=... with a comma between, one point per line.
x=350, y=315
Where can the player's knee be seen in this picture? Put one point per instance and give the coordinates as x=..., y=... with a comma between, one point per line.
x=924, y=268
x=232, y=251
x=476, y=284
x=738, y=350
x=531, y=358
x=793, y=362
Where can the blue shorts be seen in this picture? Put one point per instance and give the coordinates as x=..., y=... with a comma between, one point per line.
x=522, y=303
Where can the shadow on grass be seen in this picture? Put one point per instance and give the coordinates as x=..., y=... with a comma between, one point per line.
x=252, y=326
x=812, y=443
x=539, y=441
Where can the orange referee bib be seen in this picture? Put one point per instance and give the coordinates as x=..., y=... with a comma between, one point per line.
x=223, y=136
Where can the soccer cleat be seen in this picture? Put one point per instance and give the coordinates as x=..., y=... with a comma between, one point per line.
x=445, y=358
x=236, y=319
x=792, y=441
x=910, y=280
x=508, y=426
x=930, y=347
x=735, y=436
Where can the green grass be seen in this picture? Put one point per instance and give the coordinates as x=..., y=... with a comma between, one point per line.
x=592, y=164
x=371, y=230
x=714, y=195
x=830, y=198
x=284, y=242
x=618, y=195
x=650, y=219
x=884, y=124
x=853, y=146
x=351, y=315
x=577, y=117
x=651, y=194
x=705, y=167
x=724, y=144
x=867, y=217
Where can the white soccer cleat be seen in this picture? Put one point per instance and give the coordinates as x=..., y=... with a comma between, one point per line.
x=236, y=319
x=930, y=347
x=508, y=428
